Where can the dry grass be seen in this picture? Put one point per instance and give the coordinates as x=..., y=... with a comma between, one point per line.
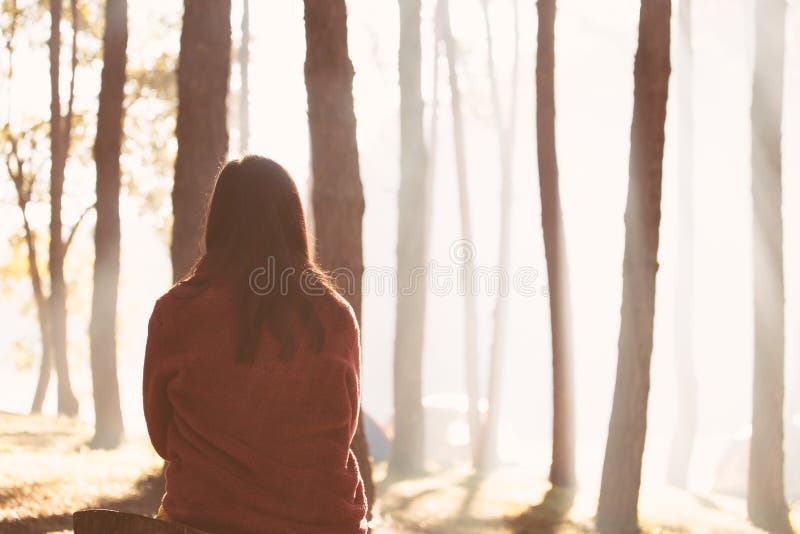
x=47, y=473
x=515, y=500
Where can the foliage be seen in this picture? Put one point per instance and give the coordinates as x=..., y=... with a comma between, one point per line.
x=148, y=146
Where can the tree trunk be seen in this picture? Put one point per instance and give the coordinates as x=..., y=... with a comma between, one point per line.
x=766, y=504
x=682, y=443
x=463, y=251
x=488, y=453
x=337, y=195
x=408, y=448
x=562, y=468
x=619, y=489
x=203, y=72
x=794, y=405
x=59, y=145
x=45, y=365
x=244, y=70
x=38, y=294
x=102, y=329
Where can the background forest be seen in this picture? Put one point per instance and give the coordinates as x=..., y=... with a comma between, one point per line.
x=460, y=379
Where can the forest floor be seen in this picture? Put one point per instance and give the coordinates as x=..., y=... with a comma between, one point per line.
x=47, y=472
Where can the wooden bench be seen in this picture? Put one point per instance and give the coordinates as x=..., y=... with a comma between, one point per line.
x=110, y=521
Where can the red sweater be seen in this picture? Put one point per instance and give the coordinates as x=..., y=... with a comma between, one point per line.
x=253, y=448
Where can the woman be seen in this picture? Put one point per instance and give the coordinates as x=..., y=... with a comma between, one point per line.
x=251, y=373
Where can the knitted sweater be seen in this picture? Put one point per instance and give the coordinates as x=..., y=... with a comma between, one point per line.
x=253, y=448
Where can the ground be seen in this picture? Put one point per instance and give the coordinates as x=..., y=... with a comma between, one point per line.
x=47, y=472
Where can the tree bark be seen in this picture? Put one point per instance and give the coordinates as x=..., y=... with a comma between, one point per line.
x=488, y=453
x=682, y=443
x=203, y=73
x=562, y=468
x=619, y=489
x=463, y=252
x=102, y=328
x=60, y=133
x=244, y=70
x=766, y=504
x=46, y=363
x=337, y=194
x=23, y=197
x=408, y=448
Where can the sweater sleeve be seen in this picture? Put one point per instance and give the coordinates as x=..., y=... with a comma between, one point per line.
x=353, y=377
x=156, y=377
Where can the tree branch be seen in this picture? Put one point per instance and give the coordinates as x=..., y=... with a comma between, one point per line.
x=74, y=229
x=73, y=6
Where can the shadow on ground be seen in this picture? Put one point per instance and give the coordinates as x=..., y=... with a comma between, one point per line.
x=551, y=516
x=144, y=499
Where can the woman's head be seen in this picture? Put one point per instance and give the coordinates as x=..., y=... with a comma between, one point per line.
x=256, y=213
x=255, y=228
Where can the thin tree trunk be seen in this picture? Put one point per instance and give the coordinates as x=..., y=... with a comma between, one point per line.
x=337, y=194
x=23, y=196
x=59, y=145
x=244, y=70
x=488, y=454
x=562, y=468
x=619, y=489
x=45, y=366
x=434, y=130
x=682, y=443
x=794, y=405
x=408, y=448
x=766, y=504
x=463, y=251
x=46, y=363
x=16, y=171
x=102, y=329
x=203, y=73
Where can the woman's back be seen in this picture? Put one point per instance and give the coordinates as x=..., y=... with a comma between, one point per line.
x=253, y=447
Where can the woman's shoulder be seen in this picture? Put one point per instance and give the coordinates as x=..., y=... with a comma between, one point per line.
x=186, y=299
x=342, y=336
x=341, y=313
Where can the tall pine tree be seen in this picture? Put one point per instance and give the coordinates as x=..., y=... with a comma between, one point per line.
x=766, y=503
x=408, y=448
x=562, y=468
x=204, y=65
x=102, y=329
x=337, y=194
x=617, y=509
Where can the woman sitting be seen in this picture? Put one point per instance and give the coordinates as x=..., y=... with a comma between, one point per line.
x=251, y=373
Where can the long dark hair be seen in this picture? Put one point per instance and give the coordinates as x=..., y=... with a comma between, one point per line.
x=256, y=230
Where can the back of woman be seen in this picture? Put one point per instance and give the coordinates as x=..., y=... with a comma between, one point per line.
x=251, y=380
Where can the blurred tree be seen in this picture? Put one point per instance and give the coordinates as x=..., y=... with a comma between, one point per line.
x=562, y=468
x=766, y=504
x=23, y=139
x=60, y=137
x=203, y=72
x=619, y=488
x=337, y=193
x=102, y=329
x=506, y=134
x=682, y=443
x=463, y=251
x=23, y=172
x=413, y=229
x=244, y=70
